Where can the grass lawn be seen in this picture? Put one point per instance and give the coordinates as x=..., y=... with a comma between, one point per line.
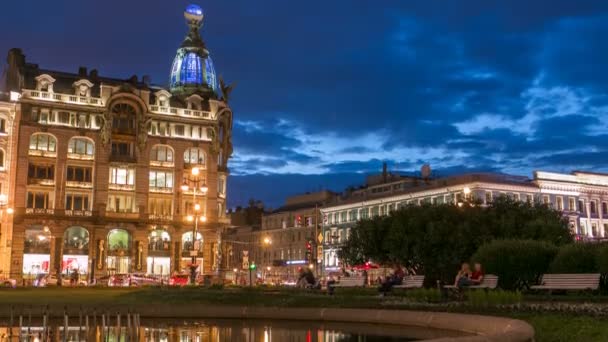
x=549, y=327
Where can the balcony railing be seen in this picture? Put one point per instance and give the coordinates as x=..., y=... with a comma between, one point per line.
x=40, y=153
x=75, y=184
x=63, y=98
x=40, y=181
x=160, y=217
x=181, y=112
x=78, y=213
x=39, y=211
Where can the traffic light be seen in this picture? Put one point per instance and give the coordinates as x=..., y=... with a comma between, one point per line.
x=309, y=250
x=252, y=266
x=299, y=220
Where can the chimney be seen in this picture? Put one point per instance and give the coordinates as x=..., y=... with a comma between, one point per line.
x=384, y=172
x=146, y=80
x=82, y=71
x=16, y=61
x=93, y=75
x=133, y=79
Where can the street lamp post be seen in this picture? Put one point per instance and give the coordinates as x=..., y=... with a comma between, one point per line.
x=196, y=181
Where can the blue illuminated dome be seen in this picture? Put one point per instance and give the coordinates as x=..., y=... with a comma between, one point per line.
x=192, y=70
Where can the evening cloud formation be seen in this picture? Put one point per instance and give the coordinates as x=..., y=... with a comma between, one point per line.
x=328, y=90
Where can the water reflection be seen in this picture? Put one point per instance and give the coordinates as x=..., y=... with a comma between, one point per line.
x=224, y=331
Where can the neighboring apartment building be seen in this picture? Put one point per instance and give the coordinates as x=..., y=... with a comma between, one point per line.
x=286, y=241
x=98, y=167
x=581, y=196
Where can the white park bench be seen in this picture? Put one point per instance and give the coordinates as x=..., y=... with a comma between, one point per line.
x=489, y=281
x=572, y=281
x=411, y=282
x=352, y=281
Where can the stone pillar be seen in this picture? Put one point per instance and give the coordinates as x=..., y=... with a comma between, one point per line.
x=600, y=210
x=588, y=212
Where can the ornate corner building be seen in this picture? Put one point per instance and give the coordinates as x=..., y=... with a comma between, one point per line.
x=97, y=173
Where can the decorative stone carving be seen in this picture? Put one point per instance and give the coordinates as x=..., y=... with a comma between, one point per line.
x=143, y=125
x=106, y=128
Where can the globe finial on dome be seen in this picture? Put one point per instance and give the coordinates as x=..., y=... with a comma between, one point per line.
x=194, y=13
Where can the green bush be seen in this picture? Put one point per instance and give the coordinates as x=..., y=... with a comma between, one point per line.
x=493, y=298
x=517, y=263
x=430, y=295
x=576, y=258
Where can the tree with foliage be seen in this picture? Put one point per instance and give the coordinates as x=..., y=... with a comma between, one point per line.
x=434, y=239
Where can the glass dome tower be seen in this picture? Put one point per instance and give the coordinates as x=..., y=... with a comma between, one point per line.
x=192, y=70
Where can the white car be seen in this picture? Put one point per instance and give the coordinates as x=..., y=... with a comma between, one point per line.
x=51, y=279
x=7, y=282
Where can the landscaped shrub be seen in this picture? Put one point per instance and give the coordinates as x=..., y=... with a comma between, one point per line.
x=517, y=263
x=493, y=298
x=576, y=258
x=602, y=259
x=431, y=295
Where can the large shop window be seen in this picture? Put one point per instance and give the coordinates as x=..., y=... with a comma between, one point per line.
x=43, y=142
x=159, y=240
x=161, y=180
x=122, y=176
x=162, y=153
x=81, y=147
x=37, y=248
x=194, y=156
x=75, y=251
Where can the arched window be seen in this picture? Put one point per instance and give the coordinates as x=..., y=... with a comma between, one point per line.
x=191, y=69
x=81, y=147
x=123, y=118
x=118, y=240
x=37, y=240
x=76, y=241
x=159, y=240
x=194, y=155
x=162, y=154
x=43, y=142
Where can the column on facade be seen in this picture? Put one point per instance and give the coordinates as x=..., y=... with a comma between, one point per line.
x=588, y=212
x=600, y=210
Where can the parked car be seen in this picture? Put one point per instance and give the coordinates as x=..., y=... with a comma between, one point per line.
x=179, y=280
x=43, y=280
x=119, y=280
x=8, y=282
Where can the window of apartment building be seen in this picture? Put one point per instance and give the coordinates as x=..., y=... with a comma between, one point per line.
x=39, y=200
x=46, y=172
x=347, y=234
x=353, y=215
x=81, y=146
x=179, y=130
x=488, y=196
x=330, y=218
x=121, y=203
x=122, y=176
x=121, y=149
x=43, y=142
x=571, y=204
x=76, y=201
x=593, y=207
x=343, y=216
x=364, y=213
x=194, y=156
x=517, y=196
x=63, y=118
x=390, y=208
x=79, y=174
x=3, y=125
x=375, y=211
x=160, y=206
x=581, y=205
x=340, y=236
x=559, y=202
x=546, y=200
x=327, y=237
x=447, y=199
x=161, y=153
x=529, y=198
x=161, y=180
x=221, y=186
x=604, y=209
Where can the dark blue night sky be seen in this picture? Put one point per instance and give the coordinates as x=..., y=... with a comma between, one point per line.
x=328, y=90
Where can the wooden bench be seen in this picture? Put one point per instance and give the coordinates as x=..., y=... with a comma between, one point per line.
x=573, y=281
x=490, y=281
x=352, y=281
x=411, y=282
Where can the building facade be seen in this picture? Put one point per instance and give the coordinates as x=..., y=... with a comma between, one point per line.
x=581, y=196
x=286, y=241
x=102, y=170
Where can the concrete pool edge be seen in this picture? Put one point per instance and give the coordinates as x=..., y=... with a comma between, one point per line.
x=484, y=328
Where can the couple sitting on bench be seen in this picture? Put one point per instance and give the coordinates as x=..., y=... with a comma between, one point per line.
x=466, y=278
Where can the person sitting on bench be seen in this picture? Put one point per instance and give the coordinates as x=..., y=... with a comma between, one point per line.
x=463, y=278
x=477, y=275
